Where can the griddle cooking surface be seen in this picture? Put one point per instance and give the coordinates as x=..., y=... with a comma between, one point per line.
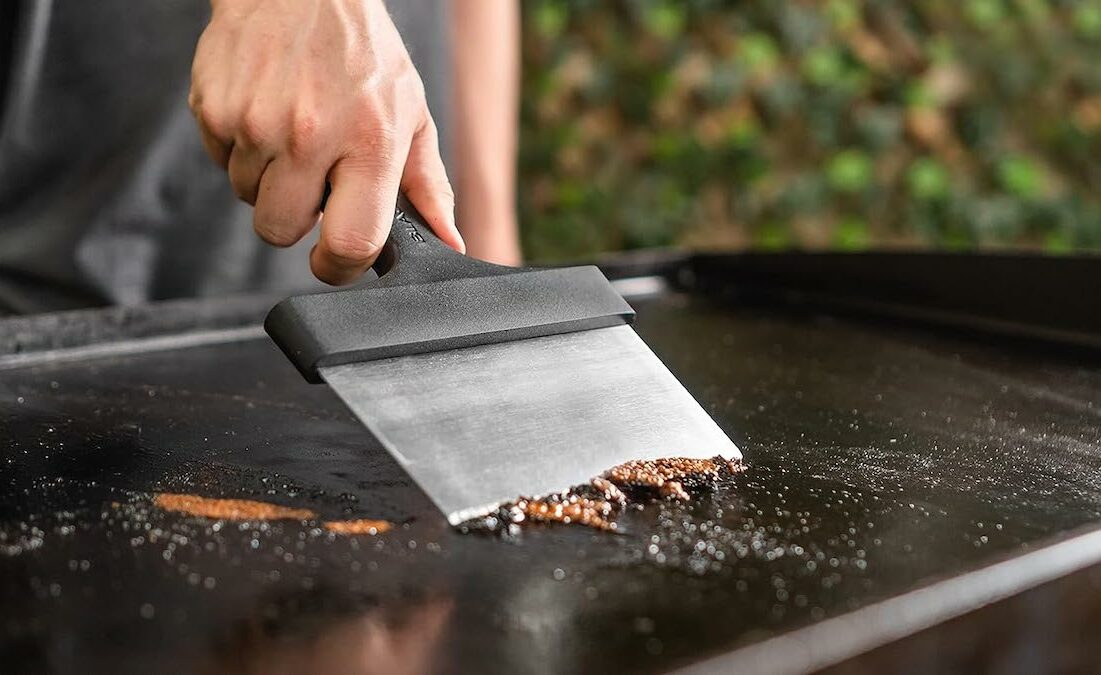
x=880, y=458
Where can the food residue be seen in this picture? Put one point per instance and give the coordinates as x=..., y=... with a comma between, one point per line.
x=567, y=507
x=597, y=503
x=361, y=526
x=228, y=509
x=248, y=509
x=674, y=476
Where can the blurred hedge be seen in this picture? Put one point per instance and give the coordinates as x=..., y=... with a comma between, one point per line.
x=819, y=124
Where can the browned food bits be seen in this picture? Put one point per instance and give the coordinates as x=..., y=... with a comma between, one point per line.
x=360, y=526
x=228, y=509
x=674, y=489
x=597, y=504
x=569, y=508
x=672, y=476
x=250, y=510
x=609, y=491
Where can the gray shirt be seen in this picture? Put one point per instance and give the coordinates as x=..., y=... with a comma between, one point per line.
x=106, y=195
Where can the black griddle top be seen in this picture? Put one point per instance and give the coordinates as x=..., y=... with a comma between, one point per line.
x=882, y=457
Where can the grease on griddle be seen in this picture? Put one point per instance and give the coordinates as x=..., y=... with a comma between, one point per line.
x=598, y=503
x=251, y=510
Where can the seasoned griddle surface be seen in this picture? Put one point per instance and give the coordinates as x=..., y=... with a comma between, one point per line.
x=880, y=458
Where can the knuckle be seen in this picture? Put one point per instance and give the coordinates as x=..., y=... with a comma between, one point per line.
x=255, y=129
x=367, y=106
x=427, y=174
x=194, y=101
x=408, y=80
x=444, y=189
x=379, y=122
x=383, y=139
x=210, y=119
x=303, y=135
x=436, y=187
x=377, y=140
x=428, y=129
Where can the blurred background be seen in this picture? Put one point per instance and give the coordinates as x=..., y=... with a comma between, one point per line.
x=831, y=124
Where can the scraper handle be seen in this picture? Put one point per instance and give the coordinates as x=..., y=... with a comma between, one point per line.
x=417, y=253
x=430, y=298
x=414, y=254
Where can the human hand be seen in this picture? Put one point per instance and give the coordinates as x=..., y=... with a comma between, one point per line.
x=291, y=93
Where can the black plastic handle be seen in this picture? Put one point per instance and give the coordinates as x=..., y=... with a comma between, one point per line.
x=429, y=297
x=413, y=254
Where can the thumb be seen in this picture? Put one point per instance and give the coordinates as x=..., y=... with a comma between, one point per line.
x=424, y=183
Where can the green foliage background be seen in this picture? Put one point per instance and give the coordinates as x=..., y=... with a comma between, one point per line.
x=822, y=124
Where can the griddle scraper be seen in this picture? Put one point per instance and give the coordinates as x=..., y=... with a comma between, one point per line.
x=488, y=382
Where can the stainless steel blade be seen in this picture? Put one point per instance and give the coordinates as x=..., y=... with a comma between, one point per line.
x=479, y=426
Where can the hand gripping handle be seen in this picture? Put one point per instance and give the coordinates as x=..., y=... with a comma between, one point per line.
x=429, y=297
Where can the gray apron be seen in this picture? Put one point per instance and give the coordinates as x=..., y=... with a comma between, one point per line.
x=106, y=195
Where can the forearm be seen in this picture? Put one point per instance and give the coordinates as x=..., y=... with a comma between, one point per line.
x=486, y=58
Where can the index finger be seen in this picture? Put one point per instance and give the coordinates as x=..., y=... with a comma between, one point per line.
x=356, y=221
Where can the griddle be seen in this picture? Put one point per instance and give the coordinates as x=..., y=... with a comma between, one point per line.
x=923, y=434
